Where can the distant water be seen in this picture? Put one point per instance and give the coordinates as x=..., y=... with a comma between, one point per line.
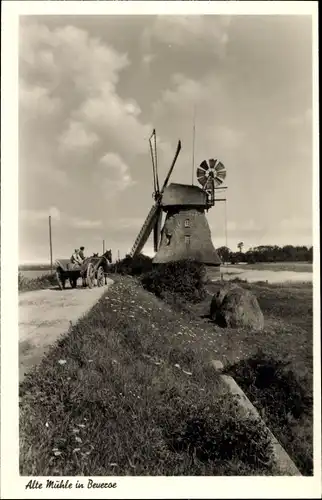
x=253, y=275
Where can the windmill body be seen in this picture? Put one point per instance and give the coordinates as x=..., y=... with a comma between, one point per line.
x=185, y=233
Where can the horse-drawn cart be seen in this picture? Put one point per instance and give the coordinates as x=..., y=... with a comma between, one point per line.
x=92, y=271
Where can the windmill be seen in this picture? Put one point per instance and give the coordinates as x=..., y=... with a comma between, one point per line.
x=185, y=233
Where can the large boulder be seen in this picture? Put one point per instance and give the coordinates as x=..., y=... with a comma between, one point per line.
x=236, y=307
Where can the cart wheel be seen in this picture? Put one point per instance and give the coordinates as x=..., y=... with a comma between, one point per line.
x=60, y=280
x=90, y=275
x=100, y=276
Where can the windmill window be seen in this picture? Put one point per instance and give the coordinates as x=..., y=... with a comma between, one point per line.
x=187, y=240
x=187, y=223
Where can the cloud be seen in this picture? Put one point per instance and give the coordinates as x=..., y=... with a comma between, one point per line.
x=116, y=172
x=122, y=223
x=84, y=223
x=112, y=117
x=34, y=217
x=187, y=101
x=76, y=137
x=37, y=101
x=189, y=33
x=147, y=59
x=68, y=87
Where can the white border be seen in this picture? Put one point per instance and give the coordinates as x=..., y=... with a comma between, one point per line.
x=128, y=487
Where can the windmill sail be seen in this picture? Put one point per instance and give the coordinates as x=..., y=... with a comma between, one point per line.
x=157, y=230
x=146, y=230
x=153, y=219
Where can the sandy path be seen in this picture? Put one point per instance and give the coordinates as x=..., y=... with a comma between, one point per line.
x=45, y=315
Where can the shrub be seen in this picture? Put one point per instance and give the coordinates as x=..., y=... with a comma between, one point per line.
x=274, y=384
x=218, y=433
x=284, y=400
x=133, y=266
x=186, y=278
x=39, y=283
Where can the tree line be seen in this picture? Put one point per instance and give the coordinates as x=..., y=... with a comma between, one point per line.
x=266, y=253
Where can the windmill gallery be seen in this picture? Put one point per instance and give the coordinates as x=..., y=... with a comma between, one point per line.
x=185, y=233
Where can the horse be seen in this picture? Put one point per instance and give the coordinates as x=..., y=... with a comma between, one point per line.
x=108, y=255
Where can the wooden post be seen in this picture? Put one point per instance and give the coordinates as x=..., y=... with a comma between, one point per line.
x=50, y=246
x=118, y=255
x=103, y=246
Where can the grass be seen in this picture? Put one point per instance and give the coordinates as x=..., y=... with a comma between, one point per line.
x=127, y=392
x=41, y=282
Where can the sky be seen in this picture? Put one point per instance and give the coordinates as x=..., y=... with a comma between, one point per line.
x=91, y=90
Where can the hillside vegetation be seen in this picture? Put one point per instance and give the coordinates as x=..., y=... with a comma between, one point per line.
x=125, y=393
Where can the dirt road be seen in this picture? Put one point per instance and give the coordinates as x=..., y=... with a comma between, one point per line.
x=45, y=315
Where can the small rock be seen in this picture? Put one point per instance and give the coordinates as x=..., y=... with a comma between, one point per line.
x=217, y=365
x=62, y=361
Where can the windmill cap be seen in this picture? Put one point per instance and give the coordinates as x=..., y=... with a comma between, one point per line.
x=184, y=194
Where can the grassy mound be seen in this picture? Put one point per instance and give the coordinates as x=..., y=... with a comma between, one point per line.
x=283, y=400
x=133, y=266
x=185, y=278
x=39, y=283
x=125, y=394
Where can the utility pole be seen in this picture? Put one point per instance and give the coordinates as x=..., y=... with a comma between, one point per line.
x=103, y=246
x=193, y=143
x=50, y=246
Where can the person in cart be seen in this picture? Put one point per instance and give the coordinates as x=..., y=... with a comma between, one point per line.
x=81, y=253
x=76, y=258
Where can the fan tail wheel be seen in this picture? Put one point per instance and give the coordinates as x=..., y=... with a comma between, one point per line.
x=90, y=276
x=100, y=276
